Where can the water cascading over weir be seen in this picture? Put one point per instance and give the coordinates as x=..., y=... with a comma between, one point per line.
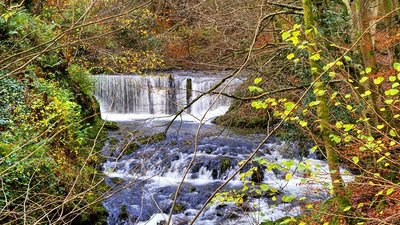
x=132, y=97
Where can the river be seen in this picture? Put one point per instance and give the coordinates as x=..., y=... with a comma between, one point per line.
x=144, y=175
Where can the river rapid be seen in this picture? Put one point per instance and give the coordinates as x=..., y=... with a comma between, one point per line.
x=144, y=173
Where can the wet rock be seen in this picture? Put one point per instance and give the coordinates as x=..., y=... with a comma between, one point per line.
x=117, y=180
x=233, y=215
x=258, y=175
x=214, y=174
x=192, y=189
x=123, y=213
x=291, y=150
x=221, y=206
x=246, y=207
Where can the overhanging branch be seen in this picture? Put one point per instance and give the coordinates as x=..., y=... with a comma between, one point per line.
x=270, y=92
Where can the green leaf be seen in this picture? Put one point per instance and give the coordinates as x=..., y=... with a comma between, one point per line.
x=320, y=92
x=392, y=78
x=313, y=149
x=295, y=40
x=389, y=101
x=255, y=89
x=349, y=107
x=392, y=92
x=347, y=209
x=366, y=93
x=288, y=176
x=288, y=198
x=378, y=80
x=355, y=159
x=363, y=79
x=314, y=103
x=389, y=191
x=347, y=58
x=290, y=56
x=368, y=70
x=289, y=106
x=296, y=26
x=264, y=187
x=285, y=35
x=303, y=123
x=315, y=57
x=257, y=80
x=392, y=133
x=296, y=33
x=335, y=138
x=259, y=104
x=348, y=127
x=397, y=66
x=314, y=69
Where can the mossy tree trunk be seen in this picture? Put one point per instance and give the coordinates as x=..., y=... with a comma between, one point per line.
x=367, y=49
x=322, y=108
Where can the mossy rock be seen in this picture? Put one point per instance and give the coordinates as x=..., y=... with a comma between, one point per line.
x=152, y=139
x=111, y=125
x=233, y=120
x=225, y=164
x=178, y=208
x=131, y=148
x=278, y=221
x=96, y=215
x=123, y=213
x=113, y=141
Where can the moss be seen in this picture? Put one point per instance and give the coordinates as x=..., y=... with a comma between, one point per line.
x=94, y=135
x=152, y=138
x=123, y=213
x=225, y=164
x=178, y=207
x=111, y=125
x=96, y=215
x=234, y=120
x=117, y=180
x=113, y=141
x=132, y=147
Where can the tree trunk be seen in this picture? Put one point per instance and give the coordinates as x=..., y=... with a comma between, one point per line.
x=322, y=108
x=363, y=12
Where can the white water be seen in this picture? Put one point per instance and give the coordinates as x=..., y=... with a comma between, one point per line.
x=134, y=97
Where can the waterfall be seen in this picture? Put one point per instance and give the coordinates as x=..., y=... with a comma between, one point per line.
x=127, y=97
